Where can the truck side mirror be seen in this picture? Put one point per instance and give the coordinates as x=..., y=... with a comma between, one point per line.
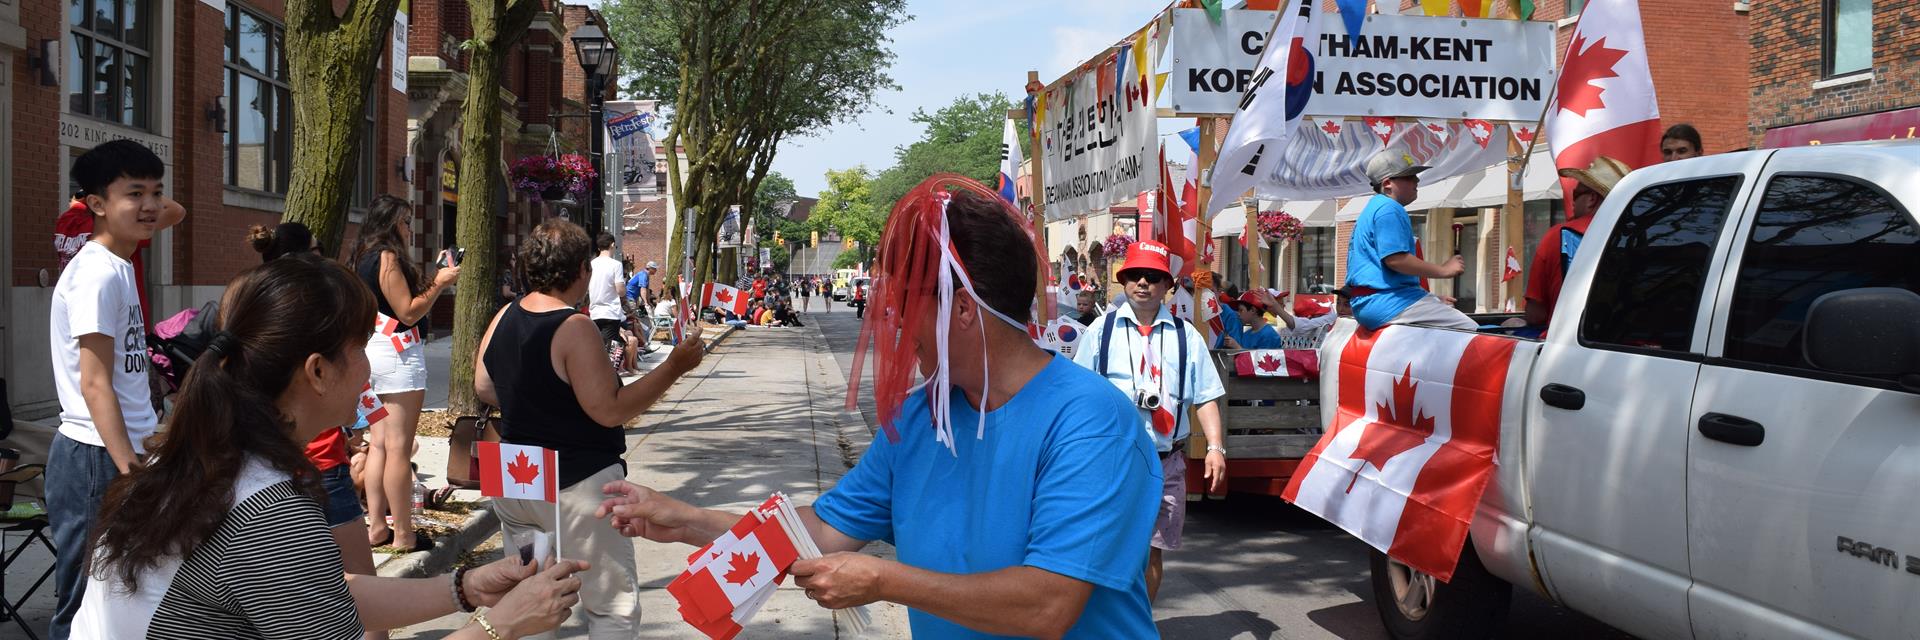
x=1870, y=331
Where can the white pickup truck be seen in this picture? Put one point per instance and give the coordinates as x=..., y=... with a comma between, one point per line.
x=1720, y=437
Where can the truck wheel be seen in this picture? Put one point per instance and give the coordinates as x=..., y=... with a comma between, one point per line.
x=1415, y=606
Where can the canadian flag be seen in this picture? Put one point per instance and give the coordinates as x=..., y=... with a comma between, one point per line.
x=371, y=409
x=1211, y=312
x=724, y=298
x=1605, y=105
x=1277, y=363
x=1170, y=223
x=1412, y=443
x=732, y=582
x=518, y=471
x=390, y=327
x=1513, y=266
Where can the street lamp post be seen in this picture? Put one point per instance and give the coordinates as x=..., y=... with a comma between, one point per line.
x=597, y=58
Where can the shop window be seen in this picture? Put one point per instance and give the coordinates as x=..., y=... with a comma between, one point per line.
x=1849, y=36
x=1313, y=261
x=259, y=136
x=109, y=61
x=1540, y=215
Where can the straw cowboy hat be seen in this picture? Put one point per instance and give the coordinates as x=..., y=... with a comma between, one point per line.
x=1601, y=176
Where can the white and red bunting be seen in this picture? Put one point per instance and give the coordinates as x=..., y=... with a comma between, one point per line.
x=1413, y=442
x=1382, y=127
x=1523, y=133
x=1329, y=127
x=1481, y=130
x=1441, y=130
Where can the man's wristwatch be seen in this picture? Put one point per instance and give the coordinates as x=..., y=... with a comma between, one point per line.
x=1222, y=450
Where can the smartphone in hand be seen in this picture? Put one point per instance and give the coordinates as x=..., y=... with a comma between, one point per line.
x=451, y=257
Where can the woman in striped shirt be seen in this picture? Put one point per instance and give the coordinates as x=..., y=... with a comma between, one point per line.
x=222, y=535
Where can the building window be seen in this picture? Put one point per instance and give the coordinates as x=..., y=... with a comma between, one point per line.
x=109, y=65
x=365, y=174
x=1313, y=271
x=1574, y=7
x=1849, y=26
x=259, y=134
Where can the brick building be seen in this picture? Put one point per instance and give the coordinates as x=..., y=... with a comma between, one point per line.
x=202, y=83
x=1829, y=71
x=544, y=99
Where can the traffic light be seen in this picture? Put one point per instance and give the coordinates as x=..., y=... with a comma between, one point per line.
x=816, y=240
x=776, y=239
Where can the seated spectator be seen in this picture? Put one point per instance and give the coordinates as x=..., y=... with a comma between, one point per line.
x=1083, y=311
x=543, y=364
x=1562, y=241
x=222, y=535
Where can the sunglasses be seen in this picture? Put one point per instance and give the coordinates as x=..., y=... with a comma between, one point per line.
x=1152, y=277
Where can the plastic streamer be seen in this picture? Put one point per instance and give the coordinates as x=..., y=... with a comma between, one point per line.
x=917, y=274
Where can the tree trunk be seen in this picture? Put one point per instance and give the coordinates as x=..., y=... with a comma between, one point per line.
x=332, y=59
x=497, y=25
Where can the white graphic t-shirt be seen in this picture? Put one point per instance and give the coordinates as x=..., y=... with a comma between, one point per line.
x=603, y=290
x=97, y=293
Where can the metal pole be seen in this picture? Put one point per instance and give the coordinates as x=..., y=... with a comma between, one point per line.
x=595, y=126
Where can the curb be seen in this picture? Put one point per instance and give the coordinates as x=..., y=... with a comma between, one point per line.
x=445, y=553
x=724, y=333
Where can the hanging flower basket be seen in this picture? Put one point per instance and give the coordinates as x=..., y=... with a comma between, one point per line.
x=1116, y=245
x=1280, y=225
x=552, y=177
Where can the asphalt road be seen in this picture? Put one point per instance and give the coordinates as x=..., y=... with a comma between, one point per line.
x=1256, y=567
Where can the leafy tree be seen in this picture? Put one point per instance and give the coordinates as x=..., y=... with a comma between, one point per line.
x=497, y=26
x=847, y=206
x=963, y=137
x=333, y=58
x=740, y=77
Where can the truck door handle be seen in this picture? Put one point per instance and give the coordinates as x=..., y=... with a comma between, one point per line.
x=1732, y=429
x=1563, y=396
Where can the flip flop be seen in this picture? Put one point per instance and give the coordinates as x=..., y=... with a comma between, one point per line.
x=385, y=541
x=438, y=498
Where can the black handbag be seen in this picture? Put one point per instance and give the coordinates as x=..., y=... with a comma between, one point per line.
x=463, y=451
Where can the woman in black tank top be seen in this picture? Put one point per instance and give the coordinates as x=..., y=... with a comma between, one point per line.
x=542, y=363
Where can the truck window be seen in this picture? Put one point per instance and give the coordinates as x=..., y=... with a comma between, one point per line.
x=1647, y=291
x=1814, y=235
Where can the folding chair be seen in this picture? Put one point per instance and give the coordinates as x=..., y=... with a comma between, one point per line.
x=32, y=521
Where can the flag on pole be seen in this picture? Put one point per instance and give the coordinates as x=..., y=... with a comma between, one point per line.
x=1513, y=266
x=518, y=471
x=724, y=298
x=1170, y=224
x=1008, y=160
x=1271, y=108
x=1605, y=103
x=1412, y=443
x=730, y=579
x=1277, y=363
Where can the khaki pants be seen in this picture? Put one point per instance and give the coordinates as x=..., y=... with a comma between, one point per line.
x=1430, y=311
x=609, y=591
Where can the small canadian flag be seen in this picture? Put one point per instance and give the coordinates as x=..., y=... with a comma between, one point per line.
x=518, y=471
x=724, y=298
x=371, y=409
x=390, y=327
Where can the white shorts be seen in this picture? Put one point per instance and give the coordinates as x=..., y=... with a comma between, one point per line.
x=1430, y=311
x=396, y=372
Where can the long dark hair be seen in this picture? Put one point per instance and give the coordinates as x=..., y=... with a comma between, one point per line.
x=283, y=239
x=277, y=313
x=381, y=232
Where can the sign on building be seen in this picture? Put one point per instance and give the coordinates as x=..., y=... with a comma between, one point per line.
x=730, y=229
x=630, y=125
x=1399, y=65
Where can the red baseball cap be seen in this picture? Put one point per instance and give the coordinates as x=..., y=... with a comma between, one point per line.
x=1147, y=254
x=1252, y=300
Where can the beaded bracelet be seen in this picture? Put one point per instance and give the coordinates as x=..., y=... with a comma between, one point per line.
x=460, y=596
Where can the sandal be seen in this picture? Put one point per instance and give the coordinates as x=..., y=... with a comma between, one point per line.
x=421, y=542
x=385, y=541
x=438, y=498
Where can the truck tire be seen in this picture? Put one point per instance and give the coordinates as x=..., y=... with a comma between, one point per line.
x=1414, y=606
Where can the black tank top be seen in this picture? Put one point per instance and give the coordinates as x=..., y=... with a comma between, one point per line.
x=537, y=407
x=369, y=272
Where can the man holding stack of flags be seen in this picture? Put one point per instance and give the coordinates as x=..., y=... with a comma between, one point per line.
x=1029, y=520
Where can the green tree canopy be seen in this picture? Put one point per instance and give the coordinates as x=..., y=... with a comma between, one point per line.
x=963, y=137
x=848, y=206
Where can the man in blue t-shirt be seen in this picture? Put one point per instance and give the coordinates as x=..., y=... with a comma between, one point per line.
x=1031, y=526
x=1383, y=274
x=639, y=287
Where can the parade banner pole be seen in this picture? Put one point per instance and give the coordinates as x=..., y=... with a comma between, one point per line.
x=1516, y=172
x=1036, y=191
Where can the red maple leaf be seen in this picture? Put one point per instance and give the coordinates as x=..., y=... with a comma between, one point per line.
x=1525, y=134
x=523, y=471
x=367, y=401
x=724, y=296
x=742, y=567
x=1331, y=127
x=1437, y=128
x=1398, y=427
x=1269, y=364
x=1585, y=64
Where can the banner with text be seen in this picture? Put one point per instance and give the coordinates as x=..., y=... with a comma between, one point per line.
x=1407, y=66
x=1099, y=137
x=630, y=125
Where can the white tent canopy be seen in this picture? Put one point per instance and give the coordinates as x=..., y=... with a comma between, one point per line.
x=1484, y=188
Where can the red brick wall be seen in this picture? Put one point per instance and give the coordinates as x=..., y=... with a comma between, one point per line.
x=37, y=183
x=648, y=241
x=1787, y=42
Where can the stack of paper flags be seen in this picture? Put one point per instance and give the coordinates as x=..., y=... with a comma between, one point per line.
x=1277, y=363
x=729, y=580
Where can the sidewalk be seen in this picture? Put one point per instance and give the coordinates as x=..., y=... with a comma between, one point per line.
x=761, y=414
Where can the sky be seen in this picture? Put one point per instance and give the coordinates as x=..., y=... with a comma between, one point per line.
x=952, y=48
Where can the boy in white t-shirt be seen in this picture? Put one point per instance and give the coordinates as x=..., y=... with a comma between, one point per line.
x=99, y=345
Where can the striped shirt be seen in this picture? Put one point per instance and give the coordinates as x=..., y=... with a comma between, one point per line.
x=270, y=570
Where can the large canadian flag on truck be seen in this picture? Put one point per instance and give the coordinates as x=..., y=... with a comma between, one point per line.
x=1605, y=104
x=1413, y=442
